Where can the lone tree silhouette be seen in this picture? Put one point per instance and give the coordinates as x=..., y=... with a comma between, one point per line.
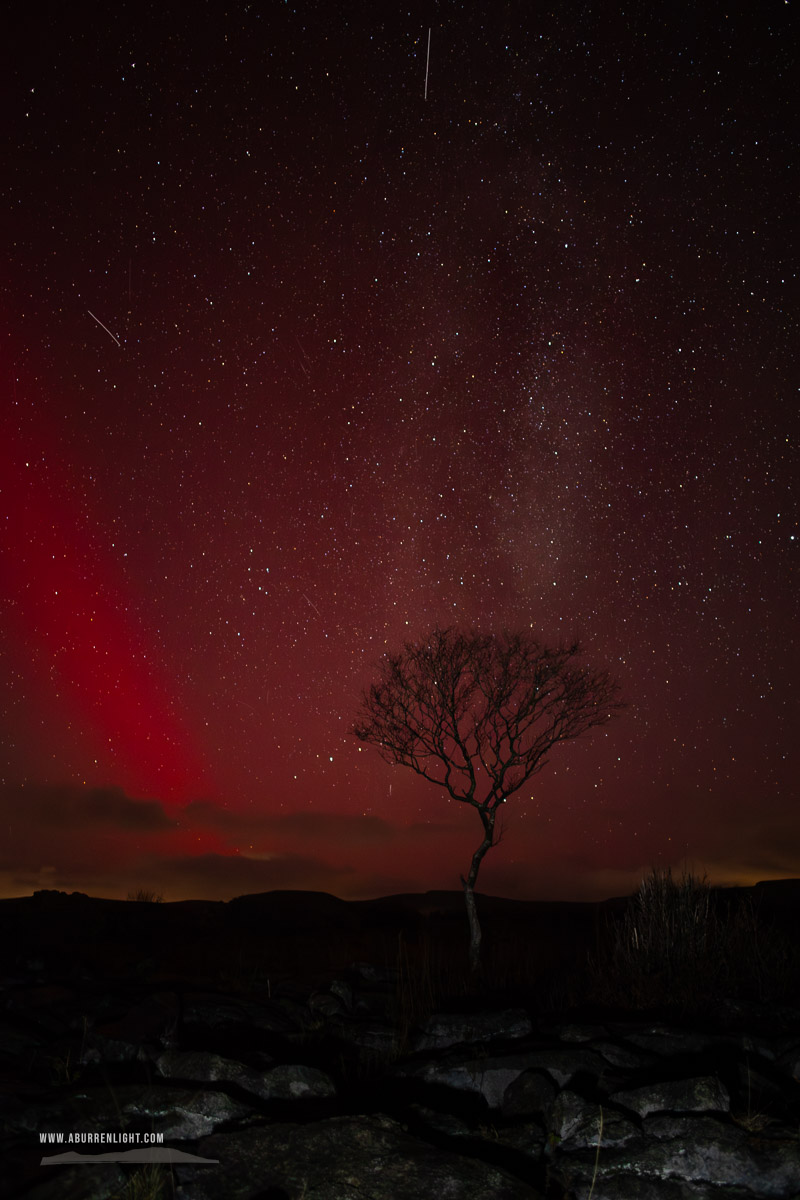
x=477, y=714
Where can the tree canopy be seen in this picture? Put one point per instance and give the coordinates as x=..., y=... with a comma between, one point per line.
x=477, y=714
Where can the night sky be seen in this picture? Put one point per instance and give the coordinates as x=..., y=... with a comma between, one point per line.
x=298, y=363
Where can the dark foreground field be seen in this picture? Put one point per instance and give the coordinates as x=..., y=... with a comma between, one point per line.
x=317, y=1048
x=255, y=941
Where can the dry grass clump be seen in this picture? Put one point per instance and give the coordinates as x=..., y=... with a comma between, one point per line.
x=680, y=946
x=153, y=1181
x=427, y=973
x=432, y=973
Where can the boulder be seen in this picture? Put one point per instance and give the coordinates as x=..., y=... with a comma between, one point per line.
x=349, y=1158
x=675, y=1095
x=701, y=1151
x=450, y=1029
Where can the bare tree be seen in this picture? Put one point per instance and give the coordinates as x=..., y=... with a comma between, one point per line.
x=477, y=714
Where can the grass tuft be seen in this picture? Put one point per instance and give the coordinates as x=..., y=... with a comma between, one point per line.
x=680, y=946
x=153, y=1181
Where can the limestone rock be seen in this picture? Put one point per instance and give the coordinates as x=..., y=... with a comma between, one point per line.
x=676, y=1095
x=346, y=1157
x=450, y=1029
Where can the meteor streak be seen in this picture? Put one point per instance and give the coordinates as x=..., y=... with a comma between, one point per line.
x=427, y=62
x=102, y=326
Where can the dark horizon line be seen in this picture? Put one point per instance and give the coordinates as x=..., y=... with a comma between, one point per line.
x=450, y=893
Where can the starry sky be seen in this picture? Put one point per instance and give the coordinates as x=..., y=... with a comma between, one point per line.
x=325, y=323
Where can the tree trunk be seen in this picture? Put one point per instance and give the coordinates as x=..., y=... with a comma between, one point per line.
x=487, y=817
x=474, y=927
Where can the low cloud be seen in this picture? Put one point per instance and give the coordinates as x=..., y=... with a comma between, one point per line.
x=67, y=806
x=65, y=830
x=354, y=829
x=104, y=842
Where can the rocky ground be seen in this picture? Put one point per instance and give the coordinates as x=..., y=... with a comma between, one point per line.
x=268, y=1081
